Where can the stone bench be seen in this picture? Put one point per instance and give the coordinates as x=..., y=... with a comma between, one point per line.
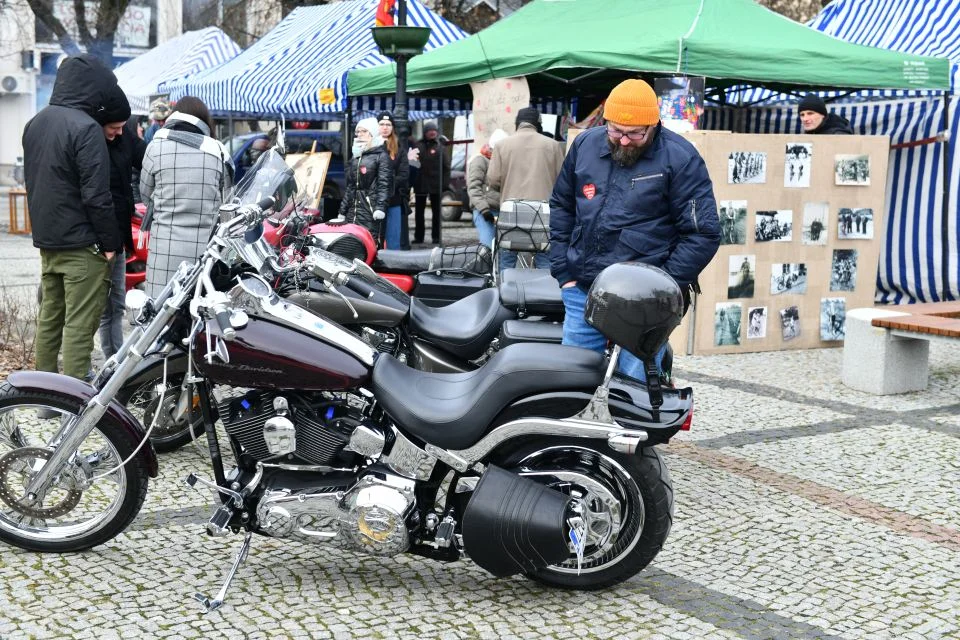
x=887, y=351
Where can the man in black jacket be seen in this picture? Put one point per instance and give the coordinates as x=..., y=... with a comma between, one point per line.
x=67, y=173
x=126, y=154
x=432, y=179
x=815, y=119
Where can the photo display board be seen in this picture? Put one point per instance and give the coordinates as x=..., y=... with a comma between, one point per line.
x=801, y=219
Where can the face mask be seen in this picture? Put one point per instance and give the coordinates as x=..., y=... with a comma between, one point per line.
x=358, y=148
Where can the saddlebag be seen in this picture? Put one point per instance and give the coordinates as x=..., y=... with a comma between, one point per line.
x=514, y=525
x=440, y=288
x=514, y=331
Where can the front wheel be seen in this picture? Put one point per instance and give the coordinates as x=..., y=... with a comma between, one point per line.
x=626, y=501
x=89, y=502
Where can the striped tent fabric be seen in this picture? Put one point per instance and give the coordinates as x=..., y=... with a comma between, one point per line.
x=299, y=69
x=918, y=258
x=175, y=59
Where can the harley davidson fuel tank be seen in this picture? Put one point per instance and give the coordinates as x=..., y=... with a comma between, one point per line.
x=271, y=355
x=387, y=307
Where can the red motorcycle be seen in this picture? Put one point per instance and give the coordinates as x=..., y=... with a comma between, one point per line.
x=137, y=261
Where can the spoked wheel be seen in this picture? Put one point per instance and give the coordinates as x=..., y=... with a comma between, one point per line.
x=88, y=503
x=626, y=503
x=146, y=399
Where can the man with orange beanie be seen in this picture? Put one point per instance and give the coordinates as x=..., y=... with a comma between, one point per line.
x=629, y=191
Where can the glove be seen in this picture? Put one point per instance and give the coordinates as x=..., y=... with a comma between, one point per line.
x=379, y=215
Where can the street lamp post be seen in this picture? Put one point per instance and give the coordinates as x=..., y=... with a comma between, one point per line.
x=401, y=43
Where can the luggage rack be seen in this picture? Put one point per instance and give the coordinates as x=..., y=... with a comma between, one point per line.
x=522, y=226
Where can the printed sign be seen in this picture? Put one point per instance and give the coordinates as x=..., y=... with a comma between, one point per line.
x=132, y=31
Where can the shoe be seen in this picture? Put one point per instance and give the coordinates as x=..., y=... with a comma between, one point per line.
x=418, y=241
x=46, y=414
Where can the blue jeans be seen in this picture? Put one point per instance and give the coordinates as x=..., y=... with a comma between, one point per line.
x=111, y=322
x=508, y=260
x=577, y=333
x=393, y=227
x=485, y=229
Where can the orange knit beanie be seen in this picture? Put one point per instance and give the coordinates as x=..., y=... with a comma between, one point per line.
x=632, y=103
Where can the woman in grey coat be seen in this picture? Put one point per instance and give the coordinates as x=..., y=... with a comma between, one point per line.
x=185, y=177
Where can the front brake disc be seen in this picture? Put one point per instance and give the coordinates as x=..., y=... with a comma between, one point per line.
x=22, y=461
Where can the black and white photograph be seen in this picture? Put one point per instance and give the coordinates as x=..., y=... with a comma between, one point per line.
x=747, y=167
x=796, y=168
x=774, y=226
x=790, y=323
x=854, y=224
x=733, y=222
x=788, y=278
x=726, y=324
x=843, y=270
x=756, y=322
x=742, y=278
x=815, y=222
x=833, y=319
x=852, y=170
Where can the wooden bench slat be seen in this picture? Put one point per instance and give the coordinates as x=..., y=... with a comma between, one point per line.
x=935, y=325
x=946, y=309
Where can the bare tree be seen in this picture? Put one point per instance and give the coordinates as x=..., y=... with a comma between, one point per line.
x=799, y=10
x=98, y=38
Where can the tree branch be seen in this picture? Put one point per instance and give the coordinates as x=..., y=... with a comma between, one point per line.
x=111, y=11
x=80, y=15
x=43, y=9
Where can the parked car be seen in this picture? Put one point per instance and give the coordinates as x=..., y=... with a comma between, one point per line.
x=245, y=152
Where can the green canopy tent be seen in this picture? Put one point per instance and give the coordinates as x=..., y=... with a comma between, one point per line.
x=581, y=47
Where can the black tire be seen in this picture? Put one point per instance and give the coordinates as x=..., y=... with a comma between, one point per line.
x=142, y=399
x=651, y=500
x=450, y=213
x=122, y=509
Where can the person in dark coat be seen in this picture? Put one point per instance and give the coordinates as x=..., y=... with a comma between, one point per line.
x=815, y=119
x=368, y=180
x=400, y=188
x=67, y=174
x=126, y=154
x=433, y=179
x=630, y=191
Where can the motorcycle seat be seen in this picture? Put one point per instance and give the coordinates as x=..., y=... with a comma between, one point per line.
x=402, y=262
x=534, y=297
x=455, y=410
x=515, y=274
x=463, y=328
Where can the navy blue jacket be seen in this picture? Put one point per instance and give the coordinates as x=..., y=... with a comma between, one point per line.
x=660, y=211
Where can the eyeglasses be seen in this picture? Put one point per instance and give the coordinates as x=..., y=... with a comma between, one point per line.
x=636, y=135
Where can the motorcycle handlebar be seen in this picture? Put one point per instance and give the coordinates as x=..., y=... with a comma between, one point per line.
x=222, y=316
x=359, y=286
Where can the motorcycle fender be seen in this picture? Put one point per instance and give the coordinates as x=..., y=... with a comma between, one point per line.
x=80, y=392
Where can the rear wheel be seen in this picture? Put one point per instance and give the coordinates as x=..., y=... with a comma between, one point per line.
x=147, y=398
x=88, y=503
x=626, y=503
x=451, y=207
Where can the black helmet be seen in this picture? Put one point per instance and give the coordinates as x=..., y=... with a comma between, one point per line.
x=635, y=305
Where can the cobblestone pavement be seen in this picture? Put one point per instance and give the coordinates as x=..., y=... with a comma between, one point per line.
x=803, y=510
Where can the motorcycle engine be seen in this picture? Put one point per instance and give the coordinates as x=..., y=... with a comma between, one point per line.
x=321, y=426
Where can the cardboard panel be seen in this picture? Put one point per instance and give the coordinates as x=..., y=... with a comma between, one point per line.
x=807, y=180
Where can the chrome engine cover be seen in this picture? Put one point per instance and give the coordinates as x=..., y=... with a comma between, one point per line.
x=369, y=517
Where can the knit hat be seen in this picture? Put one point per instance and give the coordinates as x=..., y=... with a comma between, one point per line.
x=370, y=124
x=430, y=126
x=115, y=107
x=385, y=115
x=160, y=110
x=813, y=102
x=496, y=137
x=632, y=103
x=530, y=115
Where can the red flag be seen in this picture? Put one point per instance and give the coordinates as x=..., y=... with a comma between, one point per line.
x=385, y=13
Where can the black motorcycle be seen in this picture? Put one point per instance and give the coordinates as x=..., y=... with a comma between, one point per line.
x=539, y=462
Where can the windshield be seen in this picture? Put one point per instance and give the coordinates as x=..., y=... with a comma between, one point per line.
x=269, y=176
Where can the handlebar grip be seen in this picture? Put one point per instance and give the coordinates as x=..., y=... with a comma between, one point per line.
x=223, y=320
x=360, y=286
x=266, y=203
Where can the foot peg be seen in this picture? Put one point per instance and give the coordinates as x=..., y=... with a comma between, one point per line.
x=217, y=602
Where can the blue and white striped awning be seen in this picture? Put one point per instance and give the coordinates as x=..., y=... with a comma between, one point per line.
x=299, y=69
x=175, y=59
x=919, y=255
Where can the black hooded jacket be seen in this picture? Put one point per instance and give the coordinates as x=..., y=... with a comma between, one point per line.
x=126, y=154
x=369, y=179
x=66, y=163
x=833, y=125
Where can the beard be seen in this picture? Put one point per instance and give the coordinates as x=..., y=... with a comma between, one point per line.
x=626, y=156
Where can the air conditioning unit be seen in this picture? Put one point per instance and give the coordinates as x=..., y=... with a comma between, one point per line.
x=14, y=83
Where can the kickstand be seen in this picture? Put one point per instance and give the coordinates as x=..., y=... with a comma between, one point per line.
x=217, y=602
